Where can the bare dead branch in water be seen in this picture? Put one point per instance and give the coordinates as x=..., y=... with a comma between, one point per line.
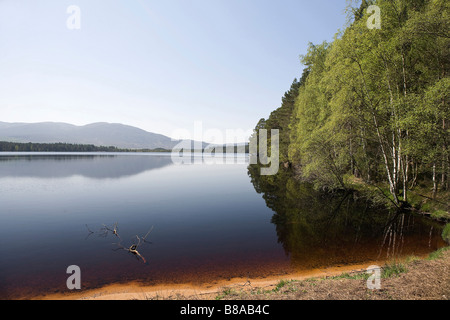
x=133, y=249
x=90, y=232
x=144, y=238
x=113, y=230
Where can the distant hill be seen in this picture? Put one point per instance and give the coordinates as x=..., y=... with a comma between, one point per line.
x=99, y=134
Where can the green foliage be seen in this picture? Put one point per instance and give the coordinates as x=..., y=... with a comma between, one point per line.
x=437, y=254
x=388, y=271
x=393, y=270
x=66, y=147
x=226, y=292
x=353, y=276
x=52, y=147
x=440, y=214
x=280, y=285
x=426, y=207
x=374, y=104
x=281, y=118
x=446, y=233
x=317, y=227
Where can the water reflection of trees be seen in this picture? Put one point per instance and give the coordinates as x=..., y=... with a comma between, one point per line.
x=319, y=228
x=95, y=166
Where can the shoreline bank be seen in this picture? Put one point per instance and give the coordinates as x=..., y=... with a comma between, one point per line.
x=205, y=291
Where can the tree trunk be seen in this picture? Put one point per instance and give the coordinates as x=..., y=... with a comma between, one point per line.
x=405, y=172
x=434, y=181
x=414, y=174
x=392, y=185
x=405, y=166
x=444, y=158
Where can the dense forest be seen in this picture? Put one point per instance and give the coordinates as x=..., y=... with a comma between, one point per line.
x=69, y=147
x=372, y=106
x=64, y=147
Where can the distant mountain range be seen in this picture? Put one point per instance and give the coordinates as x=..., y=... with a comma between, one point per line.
x=99, y=134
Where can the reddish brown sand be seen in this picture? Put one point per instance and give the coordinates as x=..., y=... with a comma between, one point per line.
x=207, y=290
x=423, y=280
x=436, y=273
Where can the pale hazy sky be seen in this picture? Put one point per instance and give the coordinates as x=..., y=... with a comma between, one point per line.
x=158, y=65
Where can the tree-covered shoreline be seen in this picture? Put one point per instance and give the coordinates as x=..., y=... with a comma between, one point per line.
x=65, y=147
x=372, y=106
x=6, y=146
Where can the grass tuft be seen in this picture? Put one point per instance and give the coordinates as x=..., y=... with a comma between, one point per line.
x=446, y=233
x=353, y=276
x=437, y=254
x=393, y=270
x=225, y=292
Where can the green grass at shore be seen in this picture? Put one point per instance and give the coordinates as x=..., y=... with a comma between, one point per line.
x=286, y=287
x=446, y=233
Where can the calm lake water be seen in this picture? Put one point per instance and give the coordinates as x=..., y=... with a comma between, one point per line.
x=210, y=221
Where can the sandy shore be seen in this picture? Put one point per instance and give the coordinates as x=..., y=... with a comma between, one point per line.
x=204, y=291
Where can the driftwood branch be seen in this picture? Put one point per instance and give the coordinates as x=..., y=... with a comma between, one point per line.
x=89, y=232
x=133, y=248
x=107, y=229
x=145, y=238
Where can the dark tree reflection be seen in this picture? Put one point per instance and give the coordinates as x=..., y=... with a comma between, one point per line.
x=320, y=229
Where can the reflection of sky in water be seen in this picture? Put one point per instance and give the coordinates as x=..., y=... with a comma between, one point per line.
x=199, y=213
x=61, y=166
x=206, y=218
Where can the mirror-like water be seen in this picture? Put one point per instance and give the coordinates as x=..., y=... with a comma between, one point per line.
x=208, y=223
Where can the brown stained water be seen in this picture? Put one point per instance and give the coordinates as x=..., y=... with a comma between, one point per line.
x=211, y=222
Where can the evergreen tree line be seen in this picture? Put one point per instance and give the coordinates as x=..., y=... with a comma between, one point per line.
x=69, y=147
x=373, y=104
x=53, y=147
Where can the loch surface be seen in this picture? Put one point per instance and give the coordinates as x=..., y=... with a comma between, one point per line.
x=207, y=220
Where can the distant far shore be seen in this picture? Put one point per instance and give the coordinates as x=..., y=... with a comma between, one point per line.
x=67, y=147
x=6, y=146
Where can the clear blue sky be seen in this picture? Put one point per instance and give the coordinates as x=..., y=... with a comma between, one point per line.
x=158, y=65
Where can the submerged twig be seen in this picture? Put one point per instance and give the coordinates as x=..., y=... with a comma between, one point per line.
x=113, y=230
x=144, y=238
x=90, y=232
x=133, y=249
